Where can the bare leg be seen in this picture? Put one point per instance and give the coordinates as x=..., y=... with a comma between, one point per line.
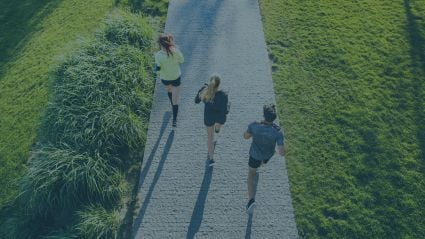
x=217, y=127
x=252, y=173
x=210, y=132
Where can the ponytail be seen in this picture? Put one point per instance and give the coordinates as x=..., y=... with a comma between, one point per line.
x=208, y=93
x=166, y=41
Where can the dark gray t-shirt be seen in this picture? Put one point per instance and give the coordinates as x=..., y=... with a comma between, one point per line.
x=264, y=140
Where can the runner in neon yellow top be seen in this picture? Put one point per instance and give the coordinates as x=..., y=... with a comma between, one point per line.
x=167, y=61
x=169, y=65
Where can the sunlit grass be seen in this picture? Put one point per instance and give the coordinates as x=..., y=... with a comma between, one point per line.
x=94, y=126
x=35, y=35
x=349, y=78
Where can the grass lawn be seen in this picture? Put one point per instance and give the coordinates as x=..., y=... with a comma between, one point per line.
x=350, y=83
x=34, y=36
x=41, y=85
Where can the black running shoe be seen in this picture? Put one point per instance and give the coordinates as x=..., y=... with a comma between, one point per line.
x=211, y=162
x=217, y=130
x=250, y=206
x=174, y=123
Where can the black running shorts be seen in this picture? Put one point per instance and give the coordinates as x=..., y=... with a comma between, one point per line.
x=176, y=82
x=253, y=163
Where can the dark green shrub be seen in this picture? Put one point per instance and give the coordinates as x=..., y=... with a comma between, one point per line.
x=60, y=180
x=100, y=97
x=61, y=235
x=150, y=7
x=128, y=29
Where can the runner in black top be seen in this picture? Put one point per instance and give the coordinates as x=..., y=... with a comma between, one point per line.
x=215, y=111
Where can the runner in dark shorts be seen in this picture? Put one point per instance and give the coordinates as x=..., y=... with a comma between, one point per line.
x=265, y=136
x=172, y=82
x=215, y=112
x=167, y=65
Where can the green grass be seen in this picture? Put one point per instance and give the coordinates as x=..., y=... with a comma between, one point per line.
x=87, y=140
x=34, y=35
x=96, y=222
x=91, y=134
x=350, y=83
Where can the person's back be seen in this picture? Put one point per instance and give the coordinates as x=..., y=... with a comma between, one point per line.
x=169, y=64
x=265, y=136
x=215, y=111
x=218, y=106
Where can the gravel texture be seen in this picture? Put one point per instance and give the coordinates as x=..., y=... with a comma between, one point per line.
x=179, y=196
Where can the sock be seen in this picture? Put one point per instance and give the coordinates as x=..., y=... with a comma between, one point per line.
x=170, y=96
x=175, y=112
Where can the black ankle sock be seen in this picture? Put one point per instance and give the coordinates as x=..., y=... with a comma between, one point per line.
x=170, y=96
x=175, y=112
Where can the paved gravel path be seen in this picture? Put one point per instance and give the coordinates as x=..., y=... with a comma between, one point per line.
x=179, y=196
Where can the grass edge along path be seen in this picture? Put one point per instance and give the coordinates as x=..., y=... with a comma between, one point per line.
x=91, y=134
x=349, y=80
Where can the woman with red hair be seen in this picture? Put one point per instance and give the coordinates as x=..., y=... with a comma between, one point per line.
x=167, y=61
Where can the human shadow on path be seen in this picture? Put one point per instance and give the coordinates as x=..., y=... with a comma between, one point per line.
x=249, y=223
x=127, y=226
x=148, y=195
x=198, y=211
x=166, y=118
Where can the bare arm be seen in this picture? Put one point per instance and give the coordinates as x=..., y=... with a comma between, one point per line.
x=281, y=150
x=247, y=135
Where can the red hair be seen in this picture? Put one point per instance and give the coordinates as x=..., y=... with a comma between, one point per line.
x=167, y=42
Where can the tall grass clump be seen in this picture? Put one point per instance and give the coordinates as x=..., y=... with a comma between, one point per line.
x=100, y=96
x=125, y=29
x=96, y=222
x=92, y=129
x=64, y=180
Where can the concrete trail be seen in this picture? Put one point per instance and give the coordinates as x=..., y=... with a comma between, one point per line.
x=179, y=196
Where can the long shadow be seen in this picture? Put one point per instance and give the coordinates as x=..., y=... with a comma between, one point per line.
x=148, y=195
x=126, y=227
x=19, y=21
x=249, y=223
x=198, y=211
x=166, y=118
x=417, y=52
